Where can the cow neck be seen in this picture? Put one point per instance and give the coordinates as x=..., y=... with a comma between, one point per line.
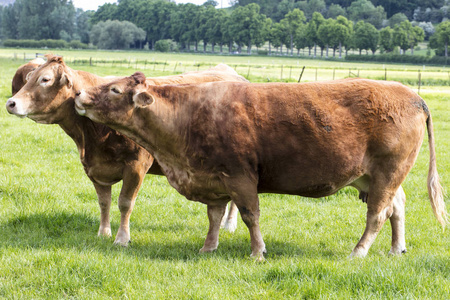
x=79, y=128
x=162, y=127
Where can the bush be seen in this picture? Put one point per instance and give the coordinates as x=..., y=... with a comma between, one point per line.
x=397, y=58
x=162, y=46
x=44, y=44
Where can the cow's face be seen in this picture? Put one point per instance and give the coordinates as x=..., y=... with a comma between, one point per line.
x=47, y=89
x=114, y=103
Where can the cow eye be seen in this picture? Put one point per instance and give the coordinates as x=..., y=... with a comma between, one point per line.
x=45, y=79
x=115, y=90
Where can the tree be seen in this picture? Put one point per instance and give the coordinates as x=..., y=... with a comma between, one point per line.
x=387, y=39
x=292, y=22
x=115, y=34
x=214, y=25
x=366, y=37
x=364, y=10
x=247, y=25
x=441, y=38
x=408, y=36
x=325, y=34
x=107, y=11
x=335, y=10
x=312, y=38
x=397, y=19
x=343, y=32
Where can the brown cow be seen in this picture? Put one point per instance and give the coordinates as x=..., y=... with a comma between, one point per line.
x=20, y=78
x=218, y=142
x=107, y=156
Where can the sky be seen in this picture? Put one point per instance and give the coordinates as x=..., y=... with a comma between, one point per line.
x=94, y=4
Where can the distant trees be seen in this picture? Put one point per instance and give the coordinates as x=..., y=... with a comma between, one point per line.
x=441, y=38
x=44, y=19
x=294, y=24
x=115, y=34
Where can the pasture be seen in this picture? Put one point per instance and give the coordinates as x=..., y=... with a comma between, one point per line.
x=49, y=219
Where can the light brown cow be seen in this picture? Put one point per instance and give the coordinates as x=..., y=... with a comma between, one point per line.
x=107, y=156
x=218, y=142
x=20, y=78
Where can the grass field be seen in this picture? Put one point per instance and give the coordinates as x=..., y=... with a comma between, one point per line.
x=49, y=218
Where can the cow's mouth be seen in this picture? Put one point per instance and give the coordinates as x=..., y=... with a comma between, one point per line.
x=80, y=109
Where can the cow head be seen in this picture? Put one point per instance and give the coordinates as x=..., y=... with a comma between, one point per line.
x=114, y=103
x=47, y=89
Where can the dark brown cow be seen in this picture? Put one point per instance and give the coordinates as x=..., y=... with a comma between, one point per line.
x=20, y=78
x=218, y=142
x=107, y=156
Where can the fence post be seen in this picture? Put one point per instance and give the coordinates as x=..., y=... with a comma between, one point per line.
x=175, y=68
x=281, y=76
x=385, y=74
x=90, y=61
x=334, y=72
x=248, y=72
x=316, y=74
x=301, y=74
x=164, y=68
x=290, y=72
x=420, y=82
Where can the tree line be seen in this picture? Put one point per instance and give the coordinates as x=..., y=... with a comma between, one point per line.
x=320, y=25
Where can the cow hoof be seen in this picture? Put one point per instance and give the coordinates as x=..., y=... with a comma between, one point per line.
x=397, y=252
x=104, y=232
x=122, y=243
x=258, y=257
x=207, y=250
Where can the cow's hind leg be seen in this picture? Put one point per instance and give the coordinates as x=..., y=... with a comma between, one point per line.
x=229, y=220
x=132, y=181
x=104, y=201
x=215, y=214
x=244, y=193
x=398, y=223
x=380, y=207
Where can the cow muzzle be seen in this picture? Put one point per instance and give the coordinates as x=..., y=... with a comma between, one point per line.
x=14, y=107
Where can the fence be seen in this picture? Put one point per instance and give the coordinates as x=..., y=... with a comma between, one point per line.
x=425, y=76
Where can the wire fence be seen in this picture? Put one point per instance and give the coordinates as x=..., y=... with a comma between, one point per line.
x=295, y=72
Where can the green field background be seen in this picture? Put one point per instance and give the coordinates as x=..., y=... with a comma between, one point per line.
x=49, y=219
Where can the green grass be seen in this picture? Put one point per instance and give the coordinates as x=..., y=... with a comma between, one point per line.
x=50, y=217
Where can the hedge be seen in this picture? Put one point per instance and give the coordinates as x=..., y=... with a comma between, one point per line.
x=44, y=44
x=397, y=58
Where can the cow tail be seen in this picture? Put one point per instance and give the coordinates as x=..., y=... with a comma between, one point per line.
x=435, y=190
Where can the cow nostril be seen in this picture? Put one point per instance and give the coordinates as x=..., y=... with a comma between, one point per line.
x=78, y=93
x=11, y=104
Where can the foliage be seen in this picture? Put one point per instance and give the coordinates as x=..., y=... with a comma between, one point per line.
x=364, y=10
x=366, y=37
x=45, y=19
x=441, y=38
x=49, y=43
x=115, y=34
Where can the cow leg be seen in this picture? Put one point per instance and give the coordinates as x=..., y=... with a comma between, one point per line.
x=215, y=213
x=132, y=181
x=380, y=207
x=398, y=224
x=104, y=201
x=244, y=193
x=229, y=220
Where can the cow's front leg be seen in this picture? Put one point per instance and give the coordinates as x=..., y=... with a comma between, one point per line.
x=104, y=201
x=215, y=214
x=132, y=181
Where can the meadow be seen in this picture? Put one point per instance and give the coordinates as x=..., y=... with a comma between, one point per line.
x=49, y=219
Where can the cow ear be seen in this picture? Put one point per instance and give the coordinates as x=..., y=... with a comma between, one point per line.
x=27, y=78
x=143, y=99
x=65, y=78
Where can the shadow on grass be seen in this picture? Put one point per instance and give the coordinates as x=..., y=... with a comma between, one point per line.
x=79, y=231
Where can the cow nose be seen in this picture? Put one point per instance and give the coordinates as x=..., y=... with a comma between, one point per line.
x=10, y=104
x=78, y=93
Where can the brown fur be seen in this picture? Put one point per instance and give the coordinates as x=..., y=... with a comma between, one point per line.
x=107, y=155
x=230, y=141
x=20, y=77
